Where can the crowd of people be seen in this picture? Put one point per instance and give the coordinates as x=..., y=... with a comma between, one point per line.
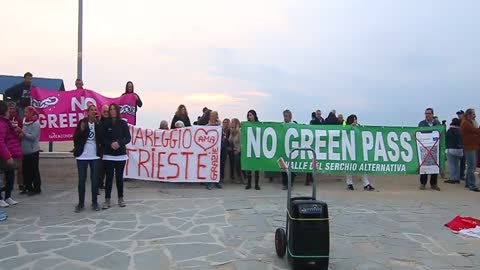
x=100, y=141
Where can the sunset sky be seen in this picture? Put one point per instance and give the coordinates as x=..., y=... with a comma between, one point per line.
x=384, y=60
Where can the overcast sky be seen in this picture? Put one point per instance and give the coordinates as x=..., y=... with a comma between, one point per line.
x=384, y=60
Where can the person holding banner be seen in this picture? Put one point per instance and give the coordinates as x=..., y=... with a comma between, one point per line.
x=129, y=89
x=429, y=122
x=214, y=121
x=454, y=146
x=287, y=119
x=352, y=120
x=116, y=136
x=181, y=115
x=87, y=150
x=252, y=117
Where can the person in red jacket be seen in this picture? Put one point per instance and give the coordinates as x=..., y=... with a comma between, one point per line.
x=16, y=121
x=10, y=151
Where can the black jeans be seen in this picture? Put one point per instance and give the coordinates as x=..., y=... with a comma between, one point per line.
x=114, y=168
x=31, y=172
x=235, y=165
x=223, y=162
x=82, y=166
x=285, y=178
x=9, y=182
x=433, y=179
x=462, y=167
x=101, y=173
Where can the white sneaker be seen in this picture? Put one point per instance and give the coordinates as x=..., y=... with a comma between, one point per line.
x=11, y=201
x=3, y=204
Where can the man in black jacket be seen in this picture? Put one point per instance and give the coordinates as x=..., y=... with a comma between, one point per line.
x=20, y=93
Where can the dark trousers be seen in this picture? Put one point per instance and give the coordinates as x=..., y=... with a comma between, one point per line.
x=249, y=177
x=433, y=179
x=231, y=159
x=31, y=172
x=114, y=168
x=101, y=173
x=9, y=182
x=462, y=167
x=82, y=166
x=223, y=162
x=309, y=178
x=285, y=178
x=235, y=165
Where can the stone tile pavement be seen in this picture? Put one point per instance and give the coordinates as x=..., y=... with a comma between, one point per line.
x=180, y=226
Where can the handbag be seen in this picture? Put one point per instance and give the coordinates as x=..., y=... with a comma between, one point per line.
x=455, y=152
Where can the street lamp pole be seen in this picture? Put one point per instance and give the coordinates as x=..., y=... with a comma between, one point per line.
x=80, y=39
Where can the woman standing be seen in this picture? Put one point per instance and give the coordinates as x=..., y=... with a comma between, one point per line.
x=116, y=136
x=17, y=122
x=181, y=115
x=214, y=121
x=30, y=135
x=129, y=89
x=87, y=150
x=352, y=120
x=9, y=151
x=234, y=142
x=454, y=147
x=252, y=117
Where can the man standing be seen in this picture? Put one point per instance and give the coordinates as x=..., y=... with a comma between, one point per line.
x=319, y=116
x=20, y=93
x=429, y=122
x=79, y=84
x=287, y=118
x=471, y=142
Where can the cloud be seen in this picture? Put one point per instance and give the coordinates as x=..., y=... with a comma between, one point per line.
x=255, y=93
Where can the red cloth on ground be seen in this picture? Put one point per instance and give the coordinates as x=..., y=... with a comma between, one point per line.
x=459, y=223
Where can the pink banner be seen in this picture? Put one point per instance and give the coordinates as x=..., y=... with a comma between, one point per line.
x=60, y=111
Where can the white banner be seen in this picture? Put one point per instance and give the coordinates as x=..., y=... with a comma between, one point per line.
x=189, y=154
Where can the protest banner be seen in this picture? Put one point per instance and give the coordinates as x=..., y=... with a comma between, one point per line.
x=60, y=111
x=189, y=154
x=343, y=149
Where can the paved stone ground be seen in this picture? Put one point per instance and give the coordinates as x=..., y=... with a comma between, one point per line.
x=180, y=226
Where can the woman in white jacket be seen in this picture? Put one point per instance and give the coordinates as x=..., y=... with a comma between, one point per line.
x=352, y=120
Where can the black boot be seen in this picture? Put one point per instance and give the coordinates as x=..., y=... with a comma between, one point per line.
x=257, y=187
x=249, y=184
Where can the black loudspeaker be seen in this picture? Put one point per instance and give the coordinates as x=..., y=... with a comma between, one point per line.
x=308, y=234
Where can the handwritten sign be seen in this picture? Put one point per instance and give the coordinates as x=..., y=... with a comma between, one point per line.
x=189, y=154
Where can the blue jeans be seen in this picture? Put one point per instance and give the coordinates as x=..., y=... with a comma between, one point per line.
x=82, y=166
x=471, y=160
x=454, y=167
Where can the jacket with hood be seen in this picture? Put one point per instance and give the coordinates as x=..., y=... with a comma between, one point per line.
x=9, y=141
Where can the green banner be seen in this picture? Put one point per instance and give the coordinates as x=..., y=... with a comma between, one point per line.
x=343, y=149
